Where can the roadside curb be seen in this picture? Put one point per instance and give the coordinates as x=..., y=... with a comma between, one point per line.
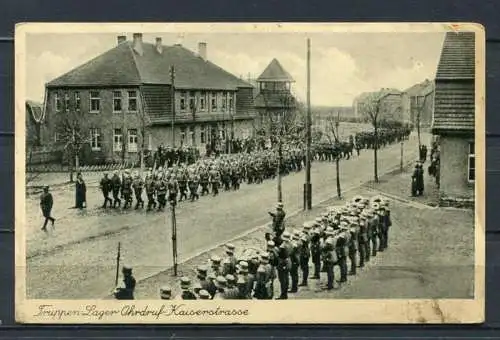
x=254, y=229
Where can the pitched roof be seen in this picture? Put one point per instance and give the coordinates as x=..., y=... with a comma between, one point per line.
x=454, y=100
x=454, y=107
x=422, y=88
x=275, y=72
x=457, y=56
x=121, y=65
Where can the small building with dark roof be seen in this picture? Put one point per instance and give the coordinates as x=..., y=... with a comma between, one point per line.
x=274, y=100
x=454, y=117
x=125, y=99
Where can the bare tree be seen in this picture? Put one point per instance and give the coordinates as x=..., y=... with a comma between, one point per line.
x=419, y=109
x=145, y=121
x=332, y=134
x=73, y=137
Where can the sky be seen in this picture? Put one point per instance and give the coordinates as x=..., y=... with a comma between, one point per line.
x=343, y=65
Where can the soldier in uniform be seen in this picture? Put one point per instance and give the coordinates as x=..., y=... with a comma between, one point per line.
x=201, y=275
x=204, y=295
x=165, y=293
x=187, y=294
x=353, y=245
x=270, y=274
x=46, y=203
x=260, y=292
x=341, y=245
x=211, y=284
x=127, y=190
x=316, y=252
x=173, y=190
x=284, y=265
x=231, y=292
x=116, y=187
x=304, y=255
x=150, y=191
x=329, y=259
x=386, y=224
x=204, y=180
x=126, y=290
x=231, y=259
x=295, y=260
x=161, y=192
x=215, y=262
x=215, y=181
x=183, y=186
x=362, y=239
x=138, y=185
x=374, y=222
x=241, y=285
x=106, y=187
x=278, y=222
x=193, y=183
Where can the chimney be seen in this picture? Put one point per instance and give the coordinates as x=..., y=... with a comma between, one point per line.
x=121, y=39
x=137, y=43
x=159, y=46
x=202, y=50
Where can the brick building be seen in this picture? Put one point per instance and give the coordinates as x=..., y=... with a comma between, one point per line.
x=454, y=118
x=125, y=99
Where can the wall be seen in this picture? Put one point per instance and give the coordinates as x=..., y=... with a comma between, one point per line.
x=391, y=107
x=106, y=120
x=454, y=165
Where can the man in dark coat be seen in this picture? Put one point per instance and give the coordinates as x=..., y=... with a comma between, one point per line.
x=116, y=183
x=106, y=187
x=46, y=203
x=80, y=192
x=278, y=223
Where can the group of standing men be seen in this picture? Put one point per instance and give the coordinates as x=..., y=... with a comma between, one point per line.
x=345, y=237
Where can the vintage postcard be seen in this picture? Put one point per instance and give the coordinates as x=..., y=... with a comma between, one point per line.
x=286, y=173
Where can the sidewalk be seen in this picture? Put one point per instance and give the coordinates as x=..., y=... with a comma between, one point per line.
x=430, y=255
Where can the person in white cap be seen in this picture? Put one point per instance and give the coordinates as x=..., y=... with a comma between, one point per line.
x=165, y=293
x=221, y=284
x=187, y=294
x=204, y=295
x=231, y=259
x=278, y=222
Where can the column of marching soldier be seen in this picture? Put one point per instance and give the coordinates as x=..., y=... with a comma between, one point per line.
x=183, y=181
x=344, y=237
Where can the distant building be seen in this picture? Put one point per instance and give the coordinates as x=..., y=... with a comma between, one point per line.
x=454, y=118
x=125, y=99
x=419, y=98
x=390, y=104
x=322, y=115
x=35, y=124
x=274, y=99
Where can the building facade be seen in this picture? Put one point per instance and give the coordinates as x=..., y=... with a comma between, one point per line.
x=140, y=95
x=418, y=102
x=454, y=118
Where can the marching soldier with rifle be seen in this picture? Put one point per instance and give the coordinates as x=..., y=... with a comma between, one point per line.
x=106, y=187
x=138, y=185
x=125, y=291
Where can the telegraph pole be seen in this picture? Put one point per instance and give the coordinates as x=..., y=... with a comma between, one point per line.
x=172, y=80
x=307, y=184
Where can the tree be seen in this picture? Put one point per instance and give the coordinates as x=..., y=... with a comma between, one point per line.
x=145, y=121
x=73, y=136
x=332, y=134
x=419, y=108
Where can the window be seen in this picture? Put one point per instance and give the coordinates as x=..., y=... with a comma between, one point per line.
x=203, y=103
x=150, y=142
x=77, y=101
x=183, y=135
x=117, y=101
x=117, y=140
x=56, y=137
x=192, y=101
x=193, y=135
x=471, y=164
x=95, y=101
x=202, y=134
x=132, y=140
x=57, y=102
x=183, y=101
x=66, y=102
x=224, y=101
x=231, y=102
x=95, y=139
x=214, y=102
x=132, y=101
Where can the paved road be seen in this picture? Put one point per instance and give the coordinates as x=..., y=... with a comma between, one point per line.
x=78, y=260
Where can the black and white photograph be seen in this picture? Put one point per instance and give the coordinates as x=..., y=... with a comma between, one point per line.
x=324, y=173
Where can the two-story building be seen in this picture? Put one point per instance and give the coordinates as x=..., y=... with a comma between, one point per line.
x=454, y=118
x=141, y=95
x=418, y=103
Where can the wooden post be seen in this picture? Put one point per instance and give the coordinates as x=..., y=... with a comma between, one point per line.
x=172, y=80
x=174, y=237
x=307, y=184
x=117, y=264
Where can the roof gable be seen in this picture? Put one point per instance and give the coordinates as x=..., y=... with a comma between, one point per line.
x=121, y=65
x=114, y=67
x=457, y=59
x=275, y=72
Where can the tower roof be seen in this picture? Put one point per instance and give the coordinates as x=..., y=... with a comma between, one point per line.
x=275, y=72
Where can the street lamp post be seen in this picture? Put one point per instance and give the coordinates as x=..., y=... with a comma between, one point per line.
x=307, y=184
